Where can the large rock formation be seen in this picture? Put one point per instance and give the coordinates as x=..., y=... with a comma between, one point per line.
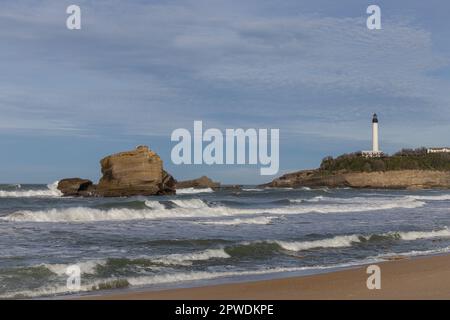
x=136, y=172
x=76, y=187
x=399, y=179
x=202, y=182
x=130, y=173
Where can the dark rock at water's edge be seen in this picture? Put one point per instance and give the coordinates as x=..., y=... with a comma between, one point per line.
x=199, y=183
x=76, y=187
x=130, y=173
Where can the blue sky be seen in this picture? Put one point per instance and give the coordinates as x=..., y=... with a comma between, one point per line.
x=137, y=70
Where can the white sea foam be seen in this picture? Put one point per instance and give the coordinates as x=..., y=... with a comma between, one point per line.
x=86, y=267
x=190, y=203
x=349, y=240
x=252, y=189
x=184, y=277
x=197, y=208
x=194, y=190
x=154, y=205
x=238, y=221
x=413, y=253
x=188, y=258
x=415, y=235
x=335, y=242
x=441, y=197
x=51, y=192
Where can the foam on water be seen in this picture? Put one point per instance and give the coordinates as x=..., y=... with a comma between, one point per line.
x=239, y=221
x=415, y=235
x=194, y=190
x=335, y=242
x=179, y=277
x=154, y=205
x=86, y=267
x=190, y=203
x=349, y=240
x=189, y=208
x=441, y=197
x=188, y=258
x=51, y=192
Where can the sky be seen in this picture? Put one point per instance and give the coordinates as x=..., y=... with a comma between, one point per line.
x=137, y=70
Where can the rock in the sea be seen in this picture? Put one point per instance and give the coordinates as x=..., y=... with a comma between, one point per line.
x=199, y=183
x=76, y=187
x=136, y=172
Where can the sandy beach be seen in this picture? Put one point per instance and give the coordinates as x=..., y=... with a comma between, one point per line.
x=417, y=278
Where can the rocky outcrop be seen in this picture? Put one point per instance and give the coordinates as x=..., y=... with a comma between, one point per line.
x=76, y=187
x=136, y=172
x=199, y=183
x=400, y=179
x=130, y=173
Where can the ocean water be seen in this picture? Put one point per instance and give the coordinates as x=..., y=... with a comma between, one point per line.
x=205, y=236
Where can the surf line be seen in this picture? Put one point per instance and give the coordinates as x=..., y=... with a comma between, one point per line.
x=235, y=150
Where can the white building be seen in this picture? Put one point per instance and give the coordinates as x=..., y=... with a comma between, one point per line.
x=438, y=150
x=375, y=152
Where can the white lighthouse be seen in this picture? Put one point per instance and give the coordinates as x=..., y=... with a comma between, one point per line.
x=375, y=142
x=375, y=146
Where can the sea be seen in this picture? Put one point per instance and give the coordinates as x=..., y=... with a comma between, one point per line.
x=202, y=236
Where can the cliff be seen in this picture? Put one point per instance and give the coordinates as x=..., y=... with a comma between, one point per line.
x=399, y=179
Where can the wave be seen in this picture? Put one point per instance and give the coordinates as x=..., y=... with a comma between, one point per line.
x=239, y=221
x=190, y=203
x=173, y=277
x=197, y=208
x=413, y=253
x=156, y=205
x=416, y=235
x=188, y=258
x=335, y=242
x=51, y=192
x=348, y=240
x=86, y=267
x=431, y=198
x=194, y=190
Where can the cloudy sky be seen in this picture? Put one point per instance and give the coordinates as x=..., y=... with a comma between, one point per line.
x=139, y=69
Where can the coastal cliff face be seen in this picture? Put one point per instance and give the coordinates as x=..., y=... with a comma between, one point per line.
x=401, y=179
x=130, y=173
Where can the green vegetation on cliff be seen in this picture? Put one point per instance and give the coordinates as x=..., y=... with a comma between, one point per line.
x=407, y=159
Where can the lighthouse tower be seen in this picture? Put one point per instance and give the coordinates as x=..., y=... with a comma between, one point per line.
x=375, y=146
x=375, y=152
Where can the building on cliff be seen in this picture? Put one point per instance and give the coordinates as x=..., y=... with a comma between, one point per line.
x=438, y=150
x=375, y=152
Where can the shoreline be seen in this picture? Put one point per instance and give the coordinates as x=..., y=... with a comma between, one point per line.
x=424, y=277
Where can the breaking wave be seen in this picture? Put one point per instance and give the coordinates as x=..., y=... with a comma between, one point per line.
x=441, y=197
x=194, y=190
x=197, y=208
x=51, y=192
x=349, y=240
x=142, y=281
x=415, y=235
x=239, y=221
x=335, y=242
